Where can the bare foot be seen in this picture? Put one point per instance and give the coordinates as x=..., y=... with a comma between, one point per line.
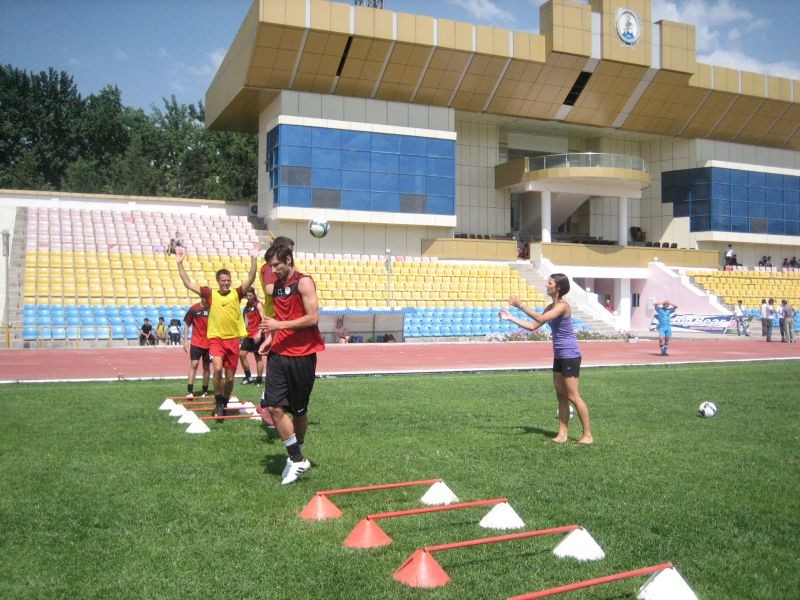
x=559, y=440
x=585, y=441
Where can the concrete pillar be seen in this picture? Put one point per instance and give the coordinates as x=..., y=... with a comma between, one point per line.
x=622, y=221
x=546, y=216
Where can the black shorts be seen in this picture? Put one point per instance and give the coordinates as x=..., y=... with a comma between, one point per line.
x=568, y=367
x=196, y=353
x=250, y=345
x=290, y=380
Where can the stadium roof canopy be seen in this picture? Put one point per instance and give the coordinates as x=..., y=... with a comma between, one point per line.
x=653, y=87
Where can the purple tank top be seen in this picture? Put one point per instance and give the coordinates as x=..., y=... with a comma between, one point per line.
x=565, y=345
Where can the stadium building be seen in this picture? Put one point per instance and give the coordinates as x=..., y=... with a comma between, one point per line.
x=424, y=135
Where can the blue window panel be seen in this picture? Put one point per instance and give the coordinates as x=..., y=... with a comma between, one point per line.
x=739, y=209
x=674, y=193
x=324, y=137
x=326, y=178
x=721, y=191
x=791, y=198
x=441, y=167
x=356, y=140
x=701, y=207
x=326, y=158
x=384, y=182
x=681, y=209
x=384, y=142
x=758, y=210
x=412, y=184
x=755, y=179
x=383, y=162
x=773, y=180
x=720, y=175
x=774, y=211
x=410, y=144
x=701, y=191
x=739, y=177
x=355, y=180
x=294, y=196
x=699, y=223
x=720, y=223
x=385, y=201
x=416, y=165
x=356, y=160
x=758, y=225
x=295, y=135
x=791, y=182
x=792, y=228
x=740, y=193
x=295, y=156
x=756, y=194
x=441, y=186
x=443, y=148
x=441, y=205
x=775, y=227
x=356, y=200
x=720, y=207
x=740, y=224
x=791, y=213
x=773, y=196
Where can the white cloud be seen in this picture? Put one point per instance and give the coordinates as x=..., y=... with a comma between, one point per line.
x=484, y=10
x=734, y=35
x=120, y=55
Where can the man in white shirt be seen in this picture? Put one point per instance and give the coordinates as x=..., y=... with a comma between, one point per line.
x=740, y=315
x=729, y=256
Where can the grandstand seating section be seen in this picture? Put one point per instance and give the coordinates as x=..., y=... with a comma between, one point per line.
x=95, y=274
x=750, y=286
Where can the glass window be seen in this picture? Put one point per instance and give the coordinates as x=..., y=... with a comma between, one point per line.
x=740, y=193
x=739, y=209
x=775, y=227
x=384, y=182
x=326, y=178
x=720, y=223
x=721, y=191
x=773, y=180
x=417, y=165
x=756, y=194
x=740, y=224
x=384, y=142
x=441, y=167
x=701, y=207
x=792, y=228
x=410, y=144
x=791, y=213
x=720, y=175
x=324, y=137
x=355, y=160
x=443, y=148
x=440, y=186
x=299, y=156
x=791, y=182
x=739, y=177
x=383, y=162
x=294, y=196
x=701, y=191
x=441, y=205
x=774, y=211
x=321, y=198
x=755, y=179
x=699, y=223
x=295, y=135
x=385, y=201
x=295, y=176
x=412, y=203
x=356, y=140
x=681, y=209
x=758, y=225
x=791, y=198
x=326, y=158
x=355, y=180
x=773, y=196
x=758, y=210
x=355, y=200
x=720, y=207
x=412, y=184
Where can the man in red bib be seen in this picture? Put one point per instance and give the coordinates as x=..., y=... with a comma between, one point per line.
x=225, y=324
x=292, y=360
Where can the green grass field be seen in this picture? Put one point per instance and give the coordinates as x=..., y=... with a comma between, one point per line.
x=103, y=495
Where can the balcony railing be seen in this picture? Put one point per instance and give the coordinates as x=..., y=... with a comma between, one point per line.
x=585, y=159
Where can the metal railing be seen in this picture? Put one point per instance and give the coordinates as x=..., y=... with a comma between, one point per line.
x=585, y=159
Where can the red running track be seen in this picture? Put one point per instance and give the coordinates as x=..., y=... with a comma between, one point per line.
x=357, y=359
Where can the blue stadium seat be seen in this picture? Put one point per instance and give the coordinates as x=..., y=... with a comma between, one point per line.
x=29, y=334
x=59, y=333
x=131, y=332
x=88, y=333
x=72, y=333
x=28, y=320
x=45, y=333
x=118, y=332
x=103, y=333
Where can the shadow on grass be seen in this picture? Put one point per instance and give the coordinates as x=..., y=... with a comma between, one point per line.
x=548, y=433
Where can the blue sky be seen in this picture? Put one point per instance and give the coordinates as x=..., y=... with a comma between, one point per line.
x=153, y=49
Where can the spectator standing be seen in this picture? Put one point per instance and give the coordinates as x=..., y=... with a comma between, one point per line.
x=195, y=342
x=781, y=323
x=342, y=335
x=174, y=331
x=292, y=359
x=729, y=256
x=788, y=320
x=566, y=355
x=608, y=304
x=740, y=316
x=793, y=263
x=770, y=318
x=253, y=314
x=146, y=335
x=664, y=312
x=764, y=319
x=225, y=324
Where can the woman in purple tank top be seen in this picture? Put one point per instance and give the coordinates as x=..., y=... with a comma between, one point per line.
x=566, y=355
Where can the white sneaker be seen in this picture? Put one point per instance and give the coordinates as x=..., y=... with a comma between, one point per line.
x=286, y=467
x=295, y=470
x=189, y=396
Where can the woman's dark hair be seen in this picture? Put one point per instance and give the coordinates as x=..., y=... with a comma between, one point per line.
x=562, y=283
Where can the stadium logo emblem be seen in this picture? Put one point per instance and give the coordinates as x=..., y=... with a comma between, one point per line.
x=628, y=26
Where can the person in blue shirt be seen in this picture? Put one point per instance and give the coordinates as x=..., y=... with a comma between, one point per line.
x=664, y=312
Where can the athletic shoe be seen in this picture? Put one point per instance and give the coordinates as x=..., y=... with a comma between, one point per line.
x=204, y=395
x=219, y=408
x=258, y=381
x=286, y=467
x=246, y=381
x=189, y=396
x=295, y=470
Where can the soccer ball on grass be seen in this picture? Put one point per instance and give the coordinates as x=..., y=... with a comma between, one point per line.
x=318, y=228
x=571, y=411
x=707, y=409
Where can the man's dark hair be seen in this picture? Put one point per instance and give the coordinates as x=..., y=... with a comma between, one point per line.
x=282, y=253
x=281, y=240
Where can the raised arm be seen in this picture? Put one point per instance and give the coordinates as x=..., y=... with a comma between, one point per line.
x=251, y=276
x=180, y=254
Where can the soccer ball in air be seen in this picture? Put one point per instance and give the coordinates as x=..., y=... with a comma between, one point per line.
x=707, y=409
x=318, y=228
x=571, y=411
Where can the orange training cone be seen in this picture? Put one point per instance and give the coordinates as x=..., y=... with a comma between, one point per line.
x=367, y=534
x=422, y=571
x=320, y=508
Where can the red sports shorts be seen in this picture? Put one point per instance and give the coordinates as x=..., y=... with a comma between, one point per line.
x=228, y=350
